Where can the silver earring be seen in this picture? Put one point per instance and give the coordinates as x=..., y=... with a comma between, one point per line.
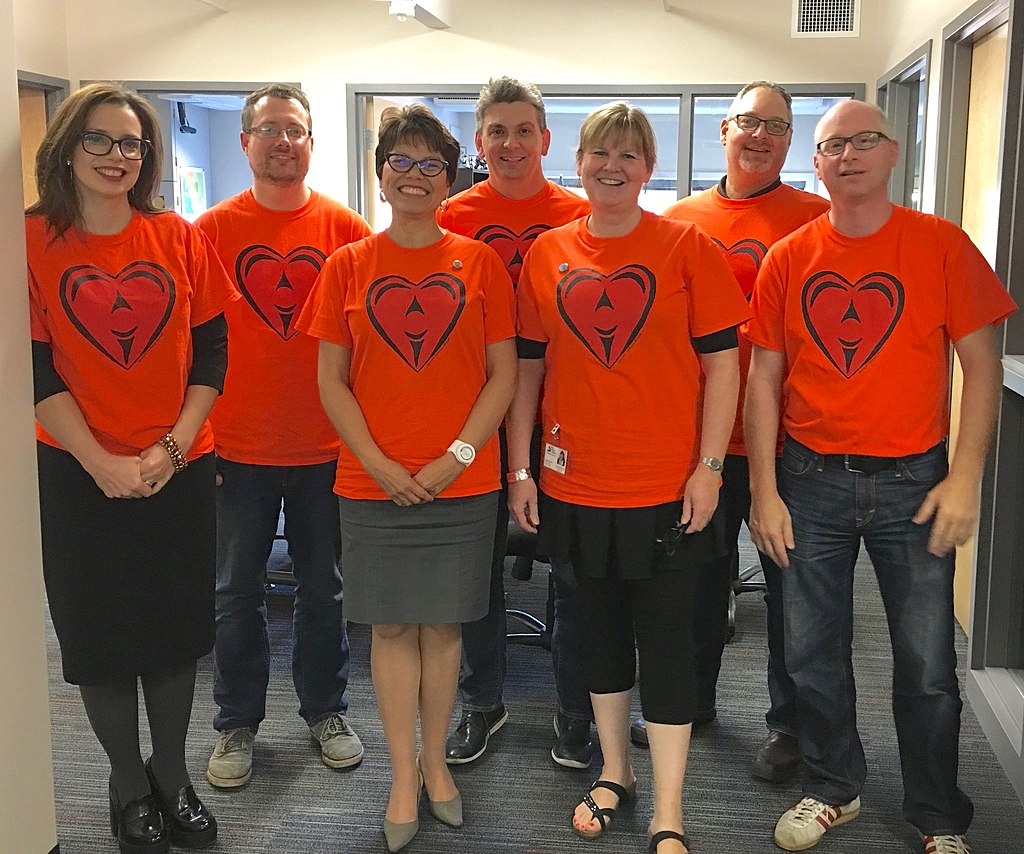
x=382, y=198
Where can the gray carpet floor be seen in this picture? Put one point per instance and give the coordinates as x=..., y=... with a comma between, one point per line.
x=517, y=800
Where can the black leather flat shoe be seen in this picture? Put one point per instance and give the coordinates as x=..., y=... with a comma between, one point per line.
x=191, y=824
x=138, y=826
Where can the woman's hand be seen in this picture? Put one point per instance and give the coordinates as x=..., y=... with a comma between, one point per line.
x=119, y=477
x=700, y=498
x=156, y=467
x=400, y=486
x=522, y=504
x=436, y=475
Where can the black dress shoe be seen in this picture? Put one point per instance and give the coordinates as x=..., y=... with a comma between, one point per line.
x=191, y=824
x=469, y=741
x=638, y=729
x=574, y=747
x=138, y=825
x=778, y=758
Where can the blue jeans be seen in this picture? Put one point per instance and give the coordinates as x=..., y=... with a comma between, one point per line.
x=711, y=609
x=248, y=508
x=833, y=510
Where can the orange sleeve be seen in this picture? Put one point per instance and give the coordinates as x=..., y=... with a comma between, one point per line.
x=323, y=315
x=767, y=329
x=716, y=301
x=975, y=296
x=499, y=301
x=212, y=289
x=528, y=323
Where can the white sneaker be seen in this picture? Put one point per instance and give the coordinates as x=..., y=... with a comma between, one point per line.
x=946, y=843
x=340, y=747
x=230, y=764
x=802, y=826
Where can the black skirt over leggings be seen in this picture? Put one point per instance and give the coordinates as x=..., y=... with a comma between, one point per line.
x=636, y=597
x=130, y=581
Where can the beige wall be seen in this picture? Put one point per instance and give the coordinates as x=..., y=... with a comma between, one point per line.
x=326, y=44
x=26, y=780
x=40, y=37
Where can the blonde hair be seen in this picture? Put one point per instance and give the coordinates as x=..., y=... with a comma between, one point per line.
x=616, y=122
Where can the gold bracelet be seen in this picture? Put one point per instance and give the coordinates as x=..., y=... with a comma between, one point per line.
x=170, y=445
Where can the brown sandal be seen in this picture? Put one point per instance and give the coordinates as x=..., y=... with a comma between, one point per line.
x=604, y=815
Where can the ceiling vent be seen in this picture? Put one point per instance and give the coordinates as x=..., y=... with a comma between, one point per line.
x=826, y=19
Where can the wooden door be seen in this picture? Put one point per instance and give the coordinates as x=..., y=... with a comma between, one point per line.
x=32, y=113
x=979, y=220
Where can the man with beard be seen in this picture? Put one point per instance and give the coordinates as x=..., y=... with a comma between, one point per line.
x=275, y=445
x=508, y=211
x=745, y=214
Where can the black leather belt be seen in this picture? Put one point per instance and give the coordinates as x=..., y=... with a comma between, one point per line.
x=862, y=465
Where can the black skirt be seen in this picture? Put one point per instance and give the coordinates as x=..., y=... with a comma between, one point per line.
x=130, y=582
x=623, y=541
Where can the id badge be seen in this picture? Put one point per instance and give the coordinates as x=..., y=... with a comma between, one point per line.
x=555, y=458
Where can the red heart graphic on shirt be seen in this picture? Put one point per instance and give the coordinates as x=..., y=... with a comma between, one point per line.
x=122, y=315
x=851, y=322
x=606, y=312
x=416, y=319
x=276, y=285
x=744, y=257
x=511, y=247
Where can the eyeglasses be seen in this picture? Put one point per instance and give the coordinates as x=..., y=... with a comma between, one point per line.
x=750, y=123
x=131, y=147
x=671, y=539
x=863, y=141
x=430, y=167
x=294, y=133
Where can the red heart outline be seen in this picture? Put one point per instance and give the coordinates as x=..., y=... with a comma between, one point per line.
x=116, y=312
x=745, y=257
x=851, y=322
x=416, y=319
x=606, y=312
x=511, y=247
x=277, y=286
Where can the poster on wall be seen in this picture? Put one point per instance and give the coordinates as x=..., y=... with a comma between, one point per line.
x=192, y=187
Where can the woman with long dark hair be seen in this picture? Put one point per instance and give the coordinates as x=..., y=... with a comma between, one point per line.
x=129, y=354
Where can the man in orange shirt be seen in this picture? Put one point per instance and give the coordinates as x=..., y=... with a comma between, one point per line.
x=508, y=211
x=745, y=214
x=853, y=318
x=274, y=443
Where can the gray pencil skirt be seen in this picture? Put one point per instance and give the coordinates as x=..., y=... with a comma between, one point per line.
x=429, y=563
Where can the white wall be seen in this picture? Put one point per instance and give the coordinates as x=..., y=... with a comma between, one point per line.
x=40, y=37
x=228, y=164
x=326, y=44
x=26, y=780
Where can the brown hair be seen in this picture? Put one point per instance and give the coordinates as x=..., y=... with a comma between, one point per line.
x=58, y=199
x=508, y=90
x=398, y=124
x=285, y=92
x=619, y=121
x=764, y=84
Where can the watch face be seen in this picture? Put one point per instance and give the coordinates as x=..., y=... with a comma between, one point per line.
x=465, y=454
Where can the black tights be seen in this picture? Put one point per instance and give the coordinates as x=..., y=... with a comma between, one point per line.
x=113, y=710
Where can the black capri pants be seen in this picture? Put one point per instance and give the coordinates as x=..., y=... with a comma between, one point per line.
x=650, y=617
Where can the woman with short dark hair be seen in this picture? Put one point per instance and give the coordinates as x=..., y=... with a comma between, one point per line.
x=417, y=368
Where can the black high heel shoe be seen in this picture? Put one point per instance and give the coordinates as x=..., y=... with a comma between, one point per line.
x=138, y=826
x=190, y=823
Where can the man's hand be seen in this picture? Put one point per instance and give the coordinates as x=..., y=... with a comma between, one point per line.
x=954, y=506
x=771, y=527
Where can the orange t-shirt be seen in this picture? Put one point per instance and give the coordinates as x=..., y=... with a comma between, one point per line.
x=118, y=311
x=865, y=325
x=622, y=379
x=509, y=226
x=417, y=322
x=745, y=229
x=270, y=412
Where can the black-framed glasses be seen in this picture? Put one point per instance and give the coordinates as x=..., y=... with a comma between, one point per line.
x=671, y=539
x=294, y=133
x=131, y=147
x=750, y=123
x=863, y=141
x=431, y=167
